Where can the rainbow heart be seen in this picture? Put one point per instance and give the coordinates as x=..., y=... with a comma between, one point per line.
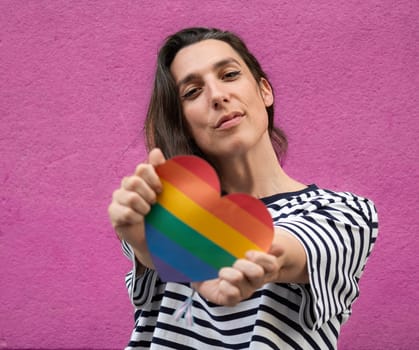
x=192, y=232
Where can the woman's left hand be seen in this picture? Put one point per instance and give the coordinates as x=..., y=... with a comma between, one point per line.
x=240, y=281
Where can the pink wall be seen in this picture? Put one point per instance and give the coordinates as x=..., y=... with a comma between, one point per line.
x=75, y=79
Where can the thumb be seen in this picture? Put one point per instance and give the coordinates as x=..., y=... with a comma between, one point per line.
x=156, y=157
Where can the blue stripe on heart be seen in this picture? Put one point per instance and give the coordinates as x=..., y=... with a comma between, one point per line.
x=169, y=251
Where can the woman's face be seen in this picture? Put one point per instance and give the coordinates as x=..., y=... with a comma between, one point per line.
x=224, y=107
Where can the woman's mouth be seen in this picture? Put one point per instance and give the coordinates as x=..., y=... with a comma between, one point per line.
x=229, y=120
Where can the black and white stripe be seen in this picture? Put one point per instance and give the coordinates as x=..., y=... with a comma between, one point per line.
x=338, y=232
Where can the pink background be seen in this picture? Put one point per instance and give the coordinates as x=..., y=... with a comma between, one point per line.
x=75, y=81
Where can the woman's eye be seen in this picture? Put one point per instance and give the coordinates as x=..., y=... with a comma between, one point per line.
x=190, y=93
x=231, y=74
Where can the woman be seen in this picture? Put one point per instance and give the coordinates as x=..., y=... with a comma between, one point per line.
x=212, y=99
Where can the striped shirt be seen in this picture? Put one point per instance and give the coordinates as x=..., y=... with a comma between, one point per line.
x=338, y=231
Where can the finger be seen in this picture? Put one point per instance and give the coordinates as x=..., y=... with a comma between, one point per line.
x=254, y=274
x=137, y=185
x=244, y=277
x=269, y=263
x=231, y=294
x=231, y=275
x=133, y=201
x=121, y=215
x=149, y=175
x=147, y=170
x=156, y=157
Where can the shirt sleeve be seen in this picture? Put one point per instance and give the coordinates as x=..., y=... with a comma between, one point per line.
x=338, y=233
x=141, y=288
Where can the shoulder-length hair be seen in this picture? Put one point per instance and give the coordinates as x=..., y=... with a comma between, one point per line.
x=165, y=125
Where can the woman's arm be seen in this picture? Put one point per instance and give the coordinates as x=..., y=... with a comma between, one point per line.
x=291, y=256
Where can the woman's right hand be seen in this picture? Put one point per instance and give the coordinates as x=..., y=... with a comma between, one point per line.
x=132, y=202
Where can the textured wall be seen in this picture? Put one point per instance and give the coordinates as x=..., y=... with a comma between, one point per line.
x=75, y=80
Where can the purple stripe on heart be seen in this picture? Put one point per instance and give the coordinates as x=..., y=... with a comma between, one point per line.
x=175, y=275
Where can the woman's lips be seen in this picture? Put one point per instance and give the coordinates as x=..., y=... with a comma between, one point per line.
x=229, y=121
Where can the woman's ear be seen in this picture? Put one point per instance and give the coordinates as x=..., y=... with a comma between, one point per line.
x=266, y=92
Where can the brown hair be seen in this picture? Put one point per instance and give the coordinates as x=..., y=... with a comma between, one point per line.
x=165, y=125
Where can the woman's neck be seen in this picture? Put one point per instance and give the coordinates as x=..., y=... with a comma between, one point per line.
x=256, y=172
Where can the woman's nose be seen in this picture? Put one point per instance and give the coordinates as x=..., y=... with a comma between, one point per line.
x=218, y=94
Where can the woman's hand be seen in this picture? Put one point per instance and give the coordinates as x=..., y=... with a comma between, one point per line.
x=286, y=262
x=240, y=281
x=132, y=201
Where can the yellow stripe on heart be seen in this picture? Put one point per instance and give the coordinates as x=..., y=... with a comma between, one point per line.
x=201, y=220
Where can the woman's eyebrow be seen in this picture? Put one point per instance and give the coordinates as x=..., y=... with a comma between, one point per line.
x=187, y=79
x=216, y=65
x=225, y=62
